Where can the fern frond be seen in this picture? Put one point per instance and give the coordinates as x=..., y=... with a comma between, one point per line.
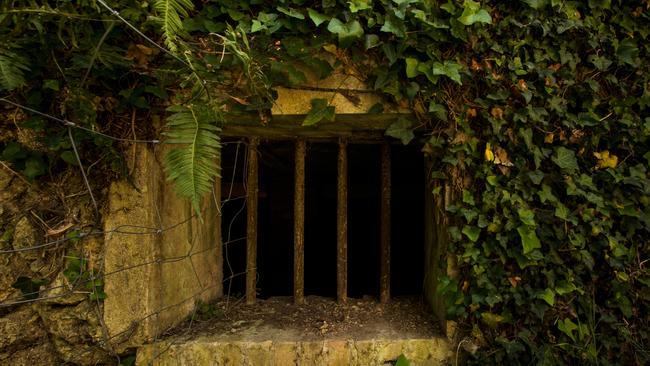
x=12, y=67
x=194, y=165
x=169, y=16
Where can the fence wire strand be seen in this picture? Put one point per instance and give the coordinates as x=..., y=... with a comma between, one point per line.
x=87, y=278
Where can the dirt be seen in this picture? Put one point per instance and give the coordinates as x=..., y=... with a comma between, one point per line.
x=319, y=318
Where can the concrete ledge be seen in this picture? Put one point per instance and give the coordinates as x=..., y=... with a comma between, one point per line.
x=329, y=352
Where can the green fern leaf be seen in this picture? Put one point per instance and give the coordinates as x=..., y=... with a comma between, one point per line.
x=12, y=67
x=169, y=16
x=193, y=165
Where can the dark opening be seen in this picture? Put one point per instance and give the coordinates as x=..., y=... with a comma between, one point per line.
x=275, y=219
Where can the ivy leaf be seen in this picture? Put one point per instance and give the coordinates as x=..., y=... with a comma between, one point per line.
x=529, y=238
x=411, y=67
x=402, y=129
x=627, y=51
x=548, y=296
x=357, y=5
x=347, y=32
x=320, y=110
x=372, y=40
x=69, y=157
x=395, y=26
x=317, y=17
x=526, y=216
x=600, y=62
x=448, y=68
x=472, y=13
x=291, y=12
x=565, y=159
x=472, y=232
x=536, y=4
x=567, y=327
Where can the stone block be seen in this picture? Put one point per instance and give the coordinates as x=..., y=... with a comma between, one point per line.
x=159, y=259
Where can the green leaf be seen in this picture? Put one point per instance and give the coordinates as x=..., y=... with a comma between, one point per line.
x=402, y=361
x=395, y=26
x=320, y=110
x=565, y=159
x=472, y=232
x=347, y=32
x=34, y=166
x=548, y=296
x=526, y=216
x=372, y=41
x=448, y=68
x=69, y=157
x=600, y=62
x=358, y=5
x=468, y=197
x=529, y=238
x=411, y=67
x=291, y=12
x=12, y=68
x=627, y=51
x=169, y=17
x=193, y=162
x=401, y=129
x=472, y=13
x=51, y=84
x=567, y=327
x=536, y=4
x=317, y=17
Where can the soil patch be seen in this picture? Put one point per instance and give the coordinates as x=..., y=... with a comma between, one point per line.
x=319, y=318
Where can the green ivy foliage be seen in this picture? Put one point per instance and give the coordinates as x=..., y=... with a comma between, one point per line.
x=536, y=111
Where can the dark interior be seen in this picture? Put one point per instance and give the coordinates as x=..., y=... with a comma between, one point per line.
x=275, y=219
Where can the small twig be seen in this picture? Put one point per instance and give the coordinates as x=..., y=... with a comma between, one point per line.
x=40, y=220
x=83, y=173
x=96, y=53
x=14, y=172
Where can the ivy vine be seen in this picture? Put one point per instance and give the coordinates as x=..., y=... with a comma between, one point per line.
x=535, y=110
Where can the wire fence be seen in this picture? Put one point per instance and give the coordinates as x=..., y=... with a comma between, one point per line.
x=88, y=276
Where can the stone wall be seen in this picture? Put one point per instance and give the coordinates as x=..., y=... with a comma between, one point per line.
x=160, y=257
x=46, y=314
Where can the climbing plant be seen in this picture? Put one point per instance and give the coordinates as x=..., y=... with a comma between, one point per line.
x=535, y=112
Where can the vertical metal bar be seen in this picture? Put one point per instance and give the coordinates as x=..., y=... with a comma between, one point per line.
x=218, y=237
x=299, y=224
x=342, y=225
x=252, y=192
x=384, y=284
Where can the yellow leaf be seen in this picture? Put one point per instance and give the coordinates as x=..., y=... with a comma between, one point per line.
x=605, y=160
x=489, y=155
x=330, y=48
x=549, y=138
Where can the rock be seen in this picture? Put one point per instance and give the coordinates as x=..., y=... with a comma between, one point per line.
x=20, y=328
x=62, y=293
x=25, y=236
x=42, y=354
x=75, y=332
x=12, y=266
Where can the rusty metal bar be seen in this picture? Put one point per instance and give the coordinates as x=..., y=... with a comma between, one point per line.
x=384, y=284
x=252, y=190
x=299, y=224
x=342, y=225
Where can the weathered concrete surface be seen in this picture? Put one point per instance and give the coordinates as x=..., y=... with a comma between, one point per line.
x=329, y=352
x=345, y=92
x=159, y=259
